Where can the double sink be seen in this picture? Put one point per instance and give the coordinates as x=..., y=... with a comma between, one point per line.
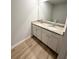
x=55, y=27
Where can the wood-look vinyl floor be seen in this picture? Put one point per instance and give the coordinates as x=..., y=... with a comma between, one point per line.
x=32, y=49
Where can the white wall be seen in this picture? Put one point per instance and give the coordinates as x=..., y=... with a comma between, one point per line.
x=45, y=10
x=23, y=12
x=60, y=12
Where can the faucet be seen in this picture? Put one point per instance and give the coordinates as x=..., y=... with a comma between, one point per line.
x=54, y=23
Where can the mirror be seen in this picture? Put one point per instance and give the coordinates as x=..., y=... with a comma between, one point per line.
x=53, y=10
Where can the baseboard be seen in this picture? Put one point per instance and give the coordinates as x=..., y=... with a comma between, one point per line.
x=20, y=42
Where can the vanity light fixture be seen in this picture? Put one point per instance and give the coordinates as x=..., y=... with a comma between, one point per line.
x=43, y=0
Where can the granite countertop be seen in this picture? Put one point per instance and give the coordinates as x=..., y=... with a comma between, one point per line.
x=56, y=29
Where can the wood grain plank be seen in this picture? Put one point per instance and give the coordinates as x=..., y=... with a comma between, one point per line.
x=31, y=49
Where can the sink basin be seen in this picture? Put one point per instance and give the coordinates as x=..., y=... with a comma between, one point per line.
x=52, y=28
x=49, y=25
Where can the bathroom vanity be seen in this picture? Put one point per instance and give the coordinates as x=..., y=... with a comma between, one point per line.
x=50, y=34
x=50, y=28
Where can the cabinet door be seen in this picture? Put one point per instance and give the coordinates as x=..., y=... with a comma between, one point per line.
x=49, y=39
x=44, y=36
x=59, y=45
x=38, y=32
x=34, y=29
x=55, y=40
x=52, y=41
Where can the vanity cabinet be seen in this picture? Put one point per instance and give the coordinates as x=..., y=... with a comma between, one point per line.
x=51, y=39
